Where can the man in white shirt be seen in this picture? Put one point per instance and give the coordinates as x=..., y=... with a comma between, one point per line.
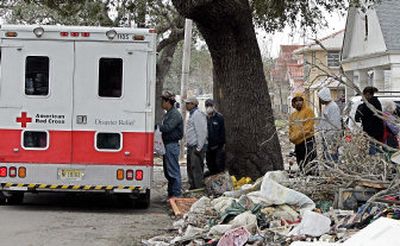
x=330, y=124
x=196, y=137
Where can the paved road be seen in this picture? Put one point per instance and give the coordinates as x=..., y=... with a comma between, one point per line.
x=82, y=219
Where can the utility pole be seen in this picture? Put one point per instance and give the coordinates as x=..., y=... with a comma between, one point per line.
x=187, y=44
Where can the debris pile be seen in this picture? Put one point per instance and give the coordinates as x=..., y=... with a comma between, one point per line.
x=341, y=203
x=267, y=212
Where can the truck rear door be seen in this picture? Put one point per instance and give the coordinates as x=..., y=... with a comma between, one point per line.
x=110, y=102
x=36, y=101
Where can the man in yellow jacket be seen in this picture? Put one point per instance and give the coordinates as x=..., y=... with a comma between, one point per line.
x=301, y=131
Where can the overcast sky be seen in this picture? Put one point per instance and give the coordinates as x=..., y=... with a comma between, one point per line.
x=270, y=43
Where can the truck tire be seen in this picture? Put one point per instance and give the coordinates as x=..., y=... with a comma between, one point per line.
x=143, y=200
x=14, y=198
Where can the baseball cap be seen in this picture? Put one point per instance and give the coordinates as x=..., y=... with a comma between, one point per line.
x=168, y=95
x=193, y=100
x=209, y=102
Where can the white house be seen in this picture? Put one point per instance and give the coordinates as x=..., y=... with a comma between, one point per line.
x=371, y=46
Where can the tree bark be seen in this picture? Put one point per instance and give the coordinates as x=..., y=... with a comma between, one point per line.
x=240, y=88
x=164, y=61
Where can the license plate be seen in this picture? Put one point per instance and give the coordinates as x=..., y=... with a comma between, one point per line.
x=70, y=174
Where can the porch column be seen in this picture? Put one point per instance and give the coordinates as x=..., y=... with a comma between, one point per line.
x=379, y=79
x=349, y=92
x=395, y=77
x=361, y=78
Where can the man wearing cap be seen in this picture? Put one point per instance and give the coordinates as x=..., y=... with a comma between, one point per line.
x=371, y=123
x=172, y=131
x=215, y=155
x=196, y=137
x=330, y=124
x=301, y=131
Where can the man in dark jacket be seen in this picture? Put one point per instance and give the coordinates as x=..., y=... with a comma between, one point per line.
x=371, y=123
x=215, y=155
x=172, y=131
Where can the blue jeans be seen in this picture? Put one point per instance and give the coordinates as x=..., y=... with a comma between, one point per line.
x=172, y=171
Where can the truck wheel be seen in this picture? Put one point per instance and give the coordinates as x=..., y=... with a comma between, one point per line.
x=3, y=198
x=143, y=200
x=15, y=198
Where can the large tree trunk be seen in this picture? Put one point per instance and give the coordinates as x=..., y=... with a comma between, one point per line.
x=240, y=88
x=163, y=66
x=166, y=49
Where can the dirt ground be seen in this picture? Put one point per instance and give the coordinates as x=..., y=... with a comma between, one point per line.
x=84, y=219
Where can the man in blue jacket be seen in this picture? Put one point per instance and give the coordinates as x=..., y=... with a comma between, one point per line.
x=172, y=131
x=215, y=155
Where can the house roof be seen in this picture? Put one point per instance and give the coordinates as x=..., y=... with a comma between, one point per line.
x=331, y=42
x=388, y=12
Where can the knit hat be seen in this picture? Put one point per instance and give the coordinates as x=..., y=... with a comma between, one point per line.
x=325, y=94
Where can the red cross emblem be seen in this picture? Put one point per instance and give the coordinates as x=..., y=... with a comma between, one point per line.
x=24, y=119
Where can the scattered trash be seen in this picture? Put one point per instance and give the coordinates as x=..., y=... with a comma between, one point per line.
x=235, y=237
x=383, y=231
x=312, y=224
x=180, y=206
x=216, y=185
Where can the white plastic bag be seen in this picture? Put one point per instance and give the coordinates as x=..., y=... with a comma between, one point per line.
x=159, y=147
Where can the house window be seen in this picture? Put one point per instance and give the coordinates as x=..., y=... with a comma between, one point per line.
x=110, y=77
x=108, y=141
x=35, y=140
x=37, y=76
x=333, y=59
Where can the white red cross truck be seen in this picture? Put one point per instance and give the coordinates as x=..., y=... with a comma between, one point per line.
x=76, y=110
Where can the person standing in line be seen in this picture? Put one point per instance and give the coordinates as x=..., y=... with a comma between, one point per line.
x=371, y=123
x=172, y=131
x=391, y=130
x=330, y=124
x=301, y=131
x=215, y=155
x=196, y=137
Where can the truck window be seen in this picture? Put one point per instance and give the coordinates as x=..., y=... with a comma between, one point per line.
x=35, y=139
x=108, y=141
x=37, y=76
x=110, y=77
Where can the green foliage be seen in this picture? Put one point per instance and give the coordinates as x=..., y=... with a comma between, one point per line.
x=58, y=12
x=276, y=14
x=200, y=78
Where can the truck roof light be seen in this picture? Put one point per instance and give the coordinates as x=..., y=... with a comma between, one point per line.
x=11, y=34
x=111, y=34
x=22, y=172
x=38, y=31
x=85, y=34
x=138, y=37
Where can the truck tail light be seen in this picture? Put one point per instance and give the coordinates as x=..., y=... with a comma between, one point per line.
x=12, y=172
x=11, y=34
x=120, y=174
x=129, y=174
x=3, y=172
x=64, y=34
x=22, y=172
x=139, y=175
x=74, y=34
